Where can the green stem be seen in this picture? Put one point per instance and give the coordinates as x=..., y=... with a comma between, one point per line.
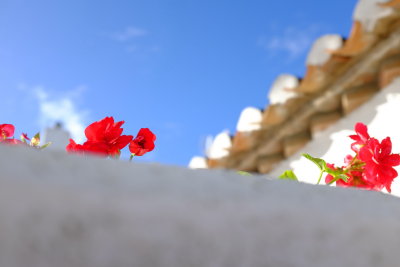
x=333, y=181
x=346, y=170
x=320, y=176
x=132, y=155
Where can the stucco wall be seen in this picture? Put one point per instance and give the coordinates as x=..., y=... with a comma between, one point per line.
x=62, y=210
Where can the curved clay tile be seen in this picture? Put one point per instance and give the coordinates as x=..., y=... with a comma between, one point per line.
x=318, y=57
x=249, y=120
x=321, y=121
x=198, y=163
x=389, y=71
x=242, y=141
x=355, y=97
x=293, y=143
x=369, y=12
x=278, y=113
x=220, y=146
x=322, y=49
x=370, y=17
x=357, y=42
x=275, y=114
x=392, y=3
x=283, y=89
x=312, y=81
x=267, y=163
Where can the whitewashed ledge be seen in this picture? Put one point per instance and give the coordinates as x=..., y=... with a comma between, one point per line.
x=59, y=210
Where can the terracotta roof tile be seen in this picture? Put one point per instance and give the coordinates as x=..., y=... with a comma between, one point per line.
x=392, y=3
x=340, y=77
x=358, y=41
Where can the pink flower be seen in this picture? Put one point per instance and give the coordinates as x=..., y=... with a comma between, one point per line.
x=354, y=170
x=355, y=179
x=379, y=162
x=24, y=136
x=361, y=137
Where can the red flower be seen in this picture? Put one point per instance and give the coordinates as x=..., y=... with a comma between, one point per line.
x=88, y=147
x=143, y=143
x=107, y=132
x=355, y=179
x=379, y=162
x=24, y=136
x=6, y=131
x=360, y=138
x=73, y=147
x=354, y=170
x=104, y=138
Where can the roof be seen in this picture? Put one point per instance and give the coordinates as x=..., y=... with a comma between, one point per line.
x=340, y=76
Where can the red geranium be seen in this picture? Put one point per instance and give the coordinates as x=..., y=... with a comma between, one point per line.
x=107, y=132
x=6, y=131
x=379, y=162
x=361, y=137
x=7, y=137
x=87, y=148
x=372, y=166
x=355, y=178
x=103, y=138
x=6, y=134
x=143, y=143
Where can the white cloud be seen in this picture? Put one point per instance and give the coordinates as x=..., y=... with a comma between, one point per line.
x=62, y=109
x=293, y=41
x=129, y=33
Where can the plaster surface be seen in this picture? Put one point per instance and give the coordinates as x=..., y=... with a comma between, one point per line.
x=63, y=210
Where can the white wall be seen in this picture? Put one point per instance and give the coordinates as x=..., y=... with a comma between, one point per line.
x=58, y=137
x=381, y=114
x=62, y=210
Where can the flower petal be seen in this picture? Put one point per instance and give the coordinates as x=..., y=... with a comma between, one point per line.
x=362, y=131
x=391, y=160
x=7, y=130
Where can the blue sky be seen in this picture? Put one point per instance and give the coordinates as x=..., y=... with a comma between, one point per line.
x=183, y=68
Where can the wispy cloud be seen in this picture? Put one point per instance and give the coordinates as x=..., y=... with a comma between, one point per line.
x=293, y=41
x=129, y=33
x=134, y=39
x=62, y=109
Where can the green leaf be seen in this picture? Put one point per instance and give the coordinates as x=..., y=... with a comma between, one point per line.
x=244, y=173
x=321, y=164
x=334, y=172
x=339, y=177
x=342, y=177
x=45, y=145
x=288, y=175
